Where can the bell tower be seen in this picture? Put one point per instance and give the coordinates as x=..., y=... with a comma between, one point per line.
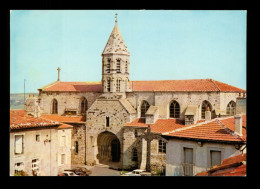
x=115, y=63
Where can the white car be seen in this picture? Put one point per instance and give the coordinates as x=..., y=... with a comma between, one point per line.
x=136, y=172
x=69, y=173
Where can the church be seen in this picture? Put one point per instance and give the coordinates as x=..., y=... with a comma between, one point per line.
x=124, y=119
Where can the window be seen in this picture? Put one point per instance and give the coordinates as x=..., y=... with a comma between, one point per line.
x=19, y=144
x=162, y=146
x=63, y=158
x=215, y=157
x=108, y=85
x=118, y=66
x=63, y=141
x=54, y=106
x=134, y=155
x=107, y=121
x=204, y=106
x=83, y=105
x=136, y=133
x=231, y=108
x=18, y=167
x=76, y=147
x=144, y=107
x=117, y=85
x=108, y=65
x=188, y=162
x=174, y=110
x=35, y=167
x=126, y=67
x=37, y=138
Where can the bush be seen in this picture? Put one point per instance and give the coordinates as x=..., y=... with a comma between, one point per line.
x=21, y=173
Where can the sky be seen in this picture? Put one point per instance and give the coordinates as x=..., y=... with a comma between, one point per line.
x=163, y=45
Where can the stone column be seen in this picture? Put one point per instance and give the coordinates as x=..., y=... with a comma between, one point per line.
x=144, y=154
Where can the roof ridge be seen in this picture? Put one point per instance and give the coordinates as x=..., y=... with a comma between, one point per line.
x=229, y=131
x=215, y=84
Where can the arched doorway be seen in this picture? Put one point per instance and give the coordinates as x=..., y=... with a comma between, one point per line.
x=109, y=149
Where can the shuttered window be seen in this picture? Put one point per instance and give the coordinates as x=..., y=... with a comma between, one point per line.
x=215, y=158
x=188, y=155
x=18, y=144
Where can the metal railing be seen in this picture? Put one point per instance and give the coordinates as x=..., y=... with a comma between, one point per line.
x=188, y=169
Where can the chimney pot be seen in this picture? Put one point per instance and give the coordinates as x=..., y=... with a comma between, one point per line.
x=238, y=124
x=207, y=115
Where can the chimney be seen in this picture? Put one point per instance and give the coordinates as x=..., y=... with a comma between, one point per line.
x=238, y=124
x=207, y=114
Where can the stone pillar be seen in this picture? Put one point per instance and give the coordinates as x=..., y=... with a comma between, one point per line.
x=144, y=154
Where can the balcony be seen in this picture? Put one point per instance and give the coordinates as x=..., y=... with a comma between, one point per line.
x=188, y=169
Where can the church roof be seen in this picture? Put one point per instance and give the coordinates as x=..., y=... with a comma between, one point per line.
x=115, y=43
x=191, y=85
x=65, y=119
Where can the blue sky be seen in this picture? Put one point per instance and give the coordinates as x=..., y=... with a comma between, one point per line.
x=163, y=45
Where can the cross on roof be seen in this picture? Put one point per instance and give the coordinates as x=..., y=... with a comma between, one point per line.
x=116, y=17
x=58, y=73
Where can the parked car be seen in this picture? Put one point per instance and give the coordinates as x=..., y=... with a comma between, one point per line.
x=137, y=172
x=80, y=171
x=67, y=173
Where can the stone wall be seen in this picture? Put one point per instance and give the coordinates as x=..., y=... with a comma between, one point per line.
x=96, y=124
x=69, y=100
x=78, y=134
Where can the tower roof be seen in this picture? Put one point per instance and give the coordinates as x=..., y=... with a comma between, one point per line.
x=115, y=43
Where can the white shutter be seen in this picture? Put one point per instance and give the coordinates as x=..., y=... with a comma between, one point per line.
x=18, y=144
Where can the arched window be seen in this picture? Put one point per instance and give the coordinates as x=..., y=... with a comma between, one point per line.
x=204, y=106
x=134, y=155
x=54, y=106
x=76, y=147
x=118, y=66
x=83, y=105
x=118, y=85
x=144, y=107
x=108, y=85
x=231, y=108
x=108, y=65
x=174, y=110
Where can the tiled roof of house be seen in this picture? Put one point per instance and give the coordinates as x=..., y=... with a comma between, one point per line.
x=214, y=130
x=160, y=126
x=233, y=166
x=221, y=130
x=20, y=120
x=65, y=119
x=193, y=85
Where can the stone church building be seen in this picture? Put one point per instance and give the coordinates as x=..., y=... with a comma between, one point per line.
x=116, y=103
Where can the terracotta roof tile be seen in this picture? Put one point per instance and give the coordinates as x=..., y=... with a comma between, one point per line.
x=19, y=120
x=233, y=166
x=199, y=85
x=211, y=131
x=66, y=119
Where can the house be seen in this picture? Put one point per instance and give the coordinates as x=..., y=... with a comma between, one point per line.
x=199, y=147
x=38, y=146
